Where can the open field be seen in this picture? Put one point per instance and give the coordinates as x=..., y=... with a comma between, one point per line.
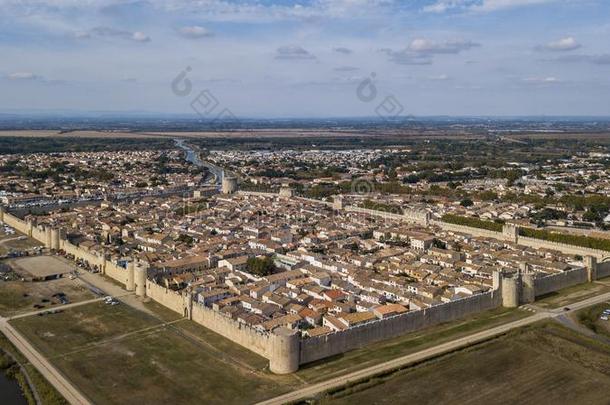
x=18, y=296
x=80, y=327
x=74, y=134
x=388, y=349
x=573, y=294
x=116, y=352
x=40, y=266
x=15, y=242
x=590, y=318
x=299, y=133
x=544, y=363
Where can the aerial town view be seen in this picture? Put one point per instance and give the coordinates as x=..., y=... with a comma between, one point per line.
x=314, y=202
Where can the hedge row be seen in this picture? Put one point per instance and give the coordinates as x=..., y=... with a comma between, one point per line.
x=473, y=222
x=576, y=240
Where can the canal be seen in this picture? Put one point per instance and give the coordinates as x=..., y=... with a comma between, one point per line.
x=192, y=157
x=10, y=391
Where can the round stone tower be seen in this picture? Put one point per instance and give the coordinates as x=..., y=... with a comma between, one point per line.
x=48, y=237
x=55, y=239
x=528, y=288
x=285, y=351
x=338, y=202
x=229, y=184
x=130, y=285
x=510, y=291
x=286, y=191
x=591, y=265
x=140, y=271
x=510, y=232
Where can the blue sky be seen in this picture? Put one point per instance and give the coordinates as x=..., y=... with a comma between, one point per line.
x=280, y=58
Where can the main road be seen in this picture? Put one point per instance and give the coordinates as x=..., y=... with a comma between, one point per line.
x=313, y=390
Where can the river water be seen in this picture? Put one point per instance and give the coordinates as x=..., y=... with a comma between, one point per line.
x=192, y=157
x=10, y=392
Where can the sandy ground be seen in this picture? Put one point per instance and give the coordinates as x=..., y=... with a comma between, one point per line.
x=40, y=266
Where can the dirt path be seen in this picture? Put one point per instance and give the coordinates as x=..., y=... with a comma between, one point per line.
x=61, y=383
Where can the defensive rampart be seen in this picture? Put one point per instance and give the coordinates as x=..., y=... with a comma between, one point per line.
x=562, y=247
x=556, y=282
x=603, y=270
x=284, y=348
x=317, y=348
x=166, y=297
x=483, y=233
x=242, y=334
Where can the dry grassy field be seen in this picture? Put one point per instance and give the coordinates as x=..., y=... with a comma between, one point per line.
x=116, y=352
x=540, y=364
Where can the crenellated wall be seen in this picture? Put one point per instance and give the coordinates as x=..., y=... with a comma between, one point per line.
x=556, y=282
x=116, y=272
x=562, y=247
x=16, y=223
x=320, y=347
x=166, y=297
x=242, y=334
x=284, y=348
x=603, y=270
x=483, y=233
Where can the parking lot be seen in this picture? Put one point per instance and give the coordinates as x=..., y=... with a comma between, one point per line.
x=18, y=295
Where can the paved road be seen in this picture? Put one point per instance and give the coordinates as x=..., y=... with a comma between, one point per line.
x=65, y=388
x=460, y=343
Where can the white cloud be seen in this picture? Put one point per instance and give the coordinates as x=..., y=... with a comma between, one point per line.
x=109, y=32
x=195, y=32
x=140, y=37
x=561, y=45
x=23, y=76
x=440, y=78
x=542, y=80
x=428, y=46
x=405, y=57
x=442, y=6
x=346, y=69
x=293, y=53
x=344, y=51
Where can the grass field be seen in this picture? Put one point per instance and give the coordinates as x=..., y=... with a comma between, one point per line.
x=540, y=364
x=573, y=294
x=18, y=297
x=401, y=346
x=115, y=352
x=590, y=318
x=11, y=242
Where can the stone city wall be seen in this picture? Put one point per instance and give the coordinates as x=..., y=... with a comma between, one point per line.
x=562, y=247
x=116, y=272
x=166, y=297
x=16, y=223
x=256, y=193
x=603, y=270
x=483, y=233
x=320, y=347
x=556, y=282
x=377, y=213
x=242, y=334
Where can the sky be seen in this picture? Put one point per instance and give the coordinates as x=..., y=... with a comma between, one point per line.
x=308, y=58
